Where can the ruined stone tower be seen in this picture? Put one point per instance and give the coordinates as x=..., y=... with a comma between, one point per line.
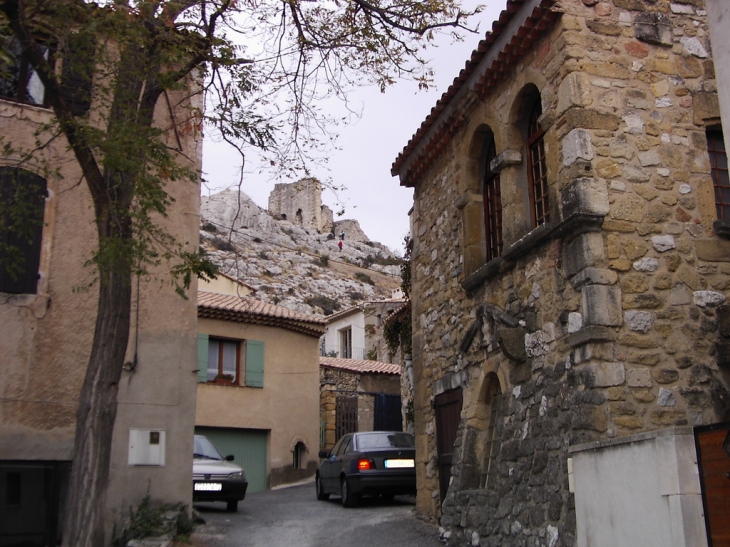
x=301, y=203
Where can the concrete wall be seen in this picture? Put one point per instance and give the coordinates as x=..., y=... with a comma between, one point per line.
x=639, y=490
x=287, y=405
x=47, y=336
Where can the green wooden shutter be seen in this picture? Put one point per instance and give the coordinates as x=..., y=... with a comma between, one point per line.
x=202, y=358
x=254, y=363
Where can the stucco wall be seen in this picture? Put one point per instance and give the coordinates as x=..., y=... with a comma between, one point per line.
x=287, y=405
x=354, y=320
x=718, y=15
x=47, y=337
x=640, y=490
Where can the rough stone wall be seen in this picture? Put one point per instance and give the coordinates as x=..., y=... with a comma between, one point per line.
x=602, y=323
x=301, y=204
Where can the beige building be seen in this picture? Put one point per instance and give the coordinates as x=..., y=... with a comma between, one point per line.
x=47, y=318
x=258, y=390
x=570, y=279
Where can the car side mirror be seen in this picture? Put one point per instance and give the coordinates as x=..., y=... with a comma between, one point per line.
x=323, y=454
x=229, y=458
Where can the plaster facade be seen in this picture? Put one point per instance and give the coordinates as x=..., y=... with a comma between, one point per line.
x=46, y=336
x=287, y=404
x=598, y=318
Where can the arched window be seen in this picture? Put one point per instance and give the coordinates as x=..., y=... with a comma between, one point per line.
x=491, y=437
x=719, y=170
x=298, y=454
x=492, y=204
x=537, y=168
x=22, y=203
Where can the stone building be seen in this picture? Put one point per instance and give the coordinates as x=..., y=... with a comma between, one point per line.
x=301, y=204
x=570, y=272
x=357, y=395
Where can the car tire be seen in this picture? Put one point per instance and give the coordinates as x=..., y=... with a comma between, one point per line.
x=232, y=506
x=349, y=498
x=321, y=496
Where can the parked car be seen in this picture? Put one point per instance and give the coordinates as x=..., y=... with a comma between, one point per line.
x=373, y=463
x=215, y=478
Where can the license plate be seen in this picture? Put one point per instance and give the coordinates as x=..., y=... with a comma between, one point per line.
x=209, y=486
x=393, y=464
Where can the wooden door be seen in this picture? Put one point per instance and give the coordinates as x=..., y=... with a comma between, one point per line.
x=448, y=413
x=713, y=449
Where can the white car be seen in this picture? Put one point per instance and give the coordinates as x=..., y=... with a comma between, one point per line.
x=215, y=478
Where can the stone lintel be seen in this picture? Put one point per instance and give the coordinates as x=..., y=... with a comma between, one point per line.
x=528, y=242
x=594, y=276
x=450, y=381
x=590, y=334
x=505, y=159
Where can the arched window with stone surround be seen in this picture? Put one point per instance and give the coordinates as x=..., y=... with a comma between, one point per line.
x=537, y=167
x=492, y=198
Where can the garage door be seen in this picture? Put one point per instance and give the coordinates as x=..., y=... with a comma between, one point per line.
x=248, y=447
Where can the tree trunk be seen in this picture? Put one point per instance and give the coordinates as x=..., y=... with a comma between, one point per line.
x=86, y=505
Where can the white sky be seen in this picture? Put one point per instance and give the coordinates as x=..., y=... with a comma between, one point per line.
x=367, y=148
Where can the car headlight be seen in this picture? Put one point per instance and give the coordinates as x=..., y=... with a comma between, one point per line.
x=235, y=476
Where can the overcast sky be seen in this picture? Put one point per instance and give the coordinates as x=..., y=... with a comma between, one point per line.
x=367, y=148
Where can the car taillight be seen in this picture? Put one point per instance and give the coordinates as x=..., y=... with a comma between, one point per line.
x=364, y=465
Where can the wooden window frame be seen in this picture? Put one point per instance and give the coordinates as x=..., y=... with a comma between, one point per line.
x=719, y=170
x=537, y=169
x=492, y=196
x=221, y=341
x=346, y=349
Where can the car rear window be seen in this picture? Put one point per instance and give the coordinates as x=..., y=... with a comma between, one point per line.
x=385, y=440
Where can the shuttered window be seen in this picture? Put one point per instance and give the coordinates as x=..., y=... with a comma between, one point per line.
x=22, y=204
x=202, y=358
x=254, y=363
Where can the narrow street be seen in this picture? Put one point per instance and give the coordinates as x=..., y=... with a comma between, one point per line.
x=292, y=517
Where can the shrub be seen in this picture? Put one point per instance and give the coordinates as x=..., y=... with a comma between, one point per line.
x=208, y=227
x=328, y=305
x=222, y=244
x=364, y=278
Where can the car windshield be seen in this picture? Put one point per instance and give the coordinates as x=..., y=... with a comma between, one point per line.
x=204, y=449
x=385, y=440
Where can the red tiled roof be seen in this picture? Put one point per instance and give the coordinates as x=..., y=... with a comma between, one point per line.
x=360, y=365
x=436, y=130
x=244, y=309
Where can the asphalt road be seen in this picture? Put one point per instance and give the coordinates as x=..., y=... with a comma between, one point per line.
x=292, y=517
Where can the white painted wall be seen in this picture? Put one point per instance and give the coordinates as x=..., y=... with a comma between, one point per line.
x=356, y=321
x=639, y=490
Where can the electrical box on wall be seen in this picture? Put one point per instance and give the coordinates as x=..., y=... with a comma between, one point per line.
x=147, y=447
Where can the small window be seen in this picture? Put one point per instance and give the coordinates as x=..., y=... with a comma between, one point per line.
x=537, y=168
x=19, y=81
x=492, y=204
x=299, y=450
x=223, y=358
x=719, y=170
x=346, y=343
x=22, y=204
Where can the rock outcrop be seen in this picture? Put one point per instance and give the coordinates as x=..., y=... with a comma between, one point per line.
x=292, y=266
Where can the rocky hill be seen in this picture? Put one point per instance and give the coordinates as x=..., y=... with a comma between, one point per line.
x=293, y=266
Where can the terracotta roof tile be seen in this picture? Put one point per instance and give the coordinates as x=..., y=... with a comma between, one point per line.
x=360, y=365
x=246, y=309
